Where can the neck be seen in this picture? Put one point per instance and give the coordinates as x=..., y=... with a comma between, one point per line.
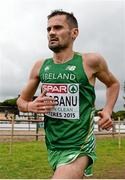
x=62, y=57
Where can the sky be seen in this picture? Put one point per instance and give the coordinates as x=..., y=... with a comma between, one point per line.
x=23, y=39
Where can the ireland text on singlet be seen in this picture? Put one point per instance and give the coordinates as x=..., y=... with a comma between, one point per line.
x=70, y=122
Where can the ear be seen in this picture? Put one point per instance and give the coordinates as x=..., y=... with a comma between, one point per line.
x=75, y=33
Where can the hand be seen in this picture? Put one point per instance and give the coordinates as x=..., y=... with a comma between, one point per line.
x=42, y=104
x=105, y=121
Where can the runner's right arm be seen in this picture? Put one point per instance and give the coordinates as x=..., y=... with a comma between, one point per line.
x=43, y=103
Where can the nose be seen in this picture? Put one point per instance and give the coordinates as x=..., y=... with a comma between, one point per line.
x=51, y=32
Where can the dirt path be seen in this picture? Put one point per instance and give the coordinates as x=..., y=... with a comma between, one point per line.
x=5, y=136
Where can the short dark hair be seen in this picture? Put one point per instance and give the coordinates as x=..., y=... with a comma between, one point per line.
x=72, y=21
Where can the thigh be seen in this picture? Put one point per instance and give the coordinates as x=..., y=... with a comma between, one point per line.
x=73, y=170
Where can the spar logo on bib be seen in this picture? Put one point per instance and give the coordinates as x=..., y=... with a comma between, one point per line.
x=59, y=88
x=67, y=99
x=73, y=88
x=55, y=88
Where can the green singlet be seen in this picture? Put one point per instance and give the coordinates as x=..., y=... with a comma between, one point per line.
x=69, y=126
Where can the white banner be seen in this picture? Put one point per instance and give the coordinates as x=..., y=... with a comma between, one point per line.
x=67, y=98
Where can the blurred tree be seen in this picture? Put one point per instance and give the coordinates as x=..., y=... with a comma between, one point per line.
x=9, y=102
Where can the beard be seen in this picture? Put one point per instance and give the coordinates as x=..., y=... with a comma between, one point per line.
x=57, y=47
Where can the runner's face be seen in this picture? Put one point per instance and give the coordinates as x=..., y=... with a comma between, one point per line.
x=59, y=33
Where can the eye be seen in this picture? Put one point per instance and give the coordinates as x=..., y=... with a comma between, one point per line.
x=58, y=27
x=48, y=29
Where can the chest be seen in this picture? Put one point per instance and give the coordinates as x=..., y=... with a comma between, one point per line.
x=62, y=73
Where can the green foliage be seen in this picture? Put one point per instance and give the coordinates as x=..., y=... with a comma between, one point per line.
x=120, y=114
x=9, y=102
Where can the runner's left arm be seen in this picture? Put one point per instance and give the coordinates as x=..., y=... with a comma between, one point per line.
x=112, y=91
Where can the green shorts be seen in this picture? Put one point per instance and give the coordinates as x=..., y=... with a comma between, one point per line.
x=58, y=158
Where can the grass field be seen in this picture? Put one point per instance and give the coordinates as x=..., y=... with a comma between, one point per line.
x=29, y=160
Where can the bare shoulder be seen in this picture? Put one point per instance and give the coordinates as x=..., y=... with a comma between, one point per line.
x=94, y=61
x=38, y=64
x=93, y=58
x=36, y=68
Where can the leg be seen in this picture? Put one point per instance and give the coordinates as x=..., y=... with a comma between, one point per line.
x=73, y=170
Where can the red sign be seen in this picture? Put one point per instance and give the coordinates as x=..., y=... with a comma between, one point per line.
x=55, y=88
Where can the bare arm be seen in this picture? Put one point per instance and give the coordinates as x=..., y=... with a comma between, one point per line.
x=112, y=84
x=112, y=91
x=42, y=104
x=96, y=67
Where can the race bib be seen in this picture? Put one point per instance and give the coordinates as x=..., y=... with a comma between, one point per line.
x=67, y=98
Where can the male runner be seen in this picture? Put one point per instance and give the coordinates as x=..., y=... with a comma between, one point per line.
x=68, y=98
